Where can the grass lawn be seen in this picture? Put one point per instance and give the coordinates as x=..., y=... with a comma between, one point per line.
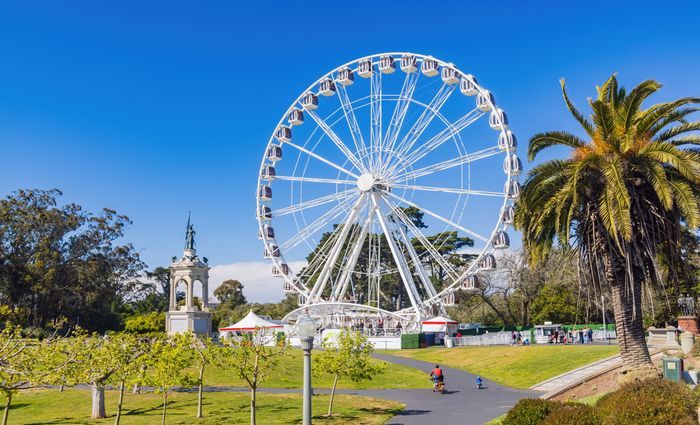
x=73, y=407
x=518, y=367
x=290, y=375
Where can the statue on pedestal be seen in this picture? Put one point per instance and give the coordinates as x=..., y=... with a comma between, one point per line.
x=686, y=305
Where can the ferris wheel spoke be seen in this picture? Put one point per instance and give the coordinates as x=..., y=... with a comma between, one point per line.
x=450, y=163
x=335, y=139
x=441, y=218
x=375, y=120
x=449, y=190
x=346, y=274
x=350, y=118
x=400, y=260
x=338, y=196
x=442, y=137
x=425, y=118
x=402, y=104
x=320, y=285
x=312, y=228
x=408, y=243
x=322, y=159
x=429, y=247
x=313, y=180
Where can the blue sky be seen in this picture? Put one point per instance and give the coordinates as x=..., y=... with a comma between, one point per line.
x=158, y=108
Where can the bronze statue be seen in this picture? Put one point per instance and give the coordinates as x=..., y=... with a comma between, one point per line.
x=189, y=236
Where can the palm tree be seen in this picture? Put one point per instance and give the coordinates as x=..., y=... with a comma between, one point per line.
x=619, y=198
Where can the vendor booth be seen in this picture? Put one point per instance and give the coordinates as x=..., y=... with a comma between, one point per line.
x=440, y=327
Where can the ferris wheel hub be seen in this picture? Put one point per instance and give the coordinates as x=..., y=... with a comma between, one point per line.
x=366, y=182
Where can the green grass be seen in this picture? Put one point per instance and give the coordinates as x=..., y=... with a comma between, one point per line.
x=290, y=373
x=518, y=367
x=73, y=407
x=590, y=400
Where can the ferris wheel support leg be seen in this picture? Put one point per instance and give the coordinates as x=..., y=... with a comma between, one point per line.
x=422, y=274
x=404, y=271
x=320, y=285
x=342, y=286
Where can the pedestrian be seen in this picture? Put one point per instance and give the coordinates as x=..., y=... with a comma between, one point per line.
x=580, y=336
x=512, y=338
x=519, y=337
x=590, y=335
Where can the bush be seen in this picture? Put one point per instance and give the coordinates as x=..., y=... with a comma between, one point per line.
x=649, y=402
x=145, y=323
x=573, y=414
x=530, y=411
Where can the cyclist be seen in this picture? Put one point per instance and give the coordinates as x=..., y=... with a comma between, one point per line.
x=438, y=375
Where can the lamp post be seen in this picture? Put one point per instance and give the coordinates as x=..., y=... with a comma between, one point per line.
x=306, y=328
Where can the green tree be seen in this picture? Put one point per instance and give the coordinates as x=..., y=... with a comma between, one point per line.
x=619, y=198
x=230, y=293
x=60, y=261
x=18, y=361
x=169, y=360
x=252, y=361
x=349, y=355
x=125, y=351
x=205, y=353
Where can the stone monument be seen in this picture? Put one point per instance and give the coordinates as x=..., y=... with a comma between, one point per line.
x=688, y=319
x=188, y=270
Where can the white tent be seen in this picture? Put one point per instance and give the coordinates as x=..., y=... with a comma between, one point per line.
x=439, y=324
x=250, y=323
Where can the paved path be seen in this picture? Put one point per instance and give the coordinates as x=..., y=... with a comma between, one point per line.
x=462, y=404
x=568, y=378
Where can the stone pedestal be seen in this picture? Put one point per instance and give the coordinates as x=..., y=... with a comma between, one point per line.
x=664, y=338
x=689, y=323
x=687, y=342
x=198, y=322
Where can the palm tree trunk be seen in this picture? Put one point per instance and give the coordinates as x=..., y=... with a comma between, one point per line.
x=5, y=415
x=330, y=402
x=629, y=324
x=119, y=404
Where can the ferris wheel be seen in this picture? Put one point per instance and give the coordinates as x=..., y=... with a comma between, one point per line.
x=386, y=187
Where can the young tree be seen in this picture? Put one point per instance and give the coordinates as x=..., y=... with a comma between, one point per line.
x=205, y=353
x=169, y=359
x=126, y=350
x=618, y=199
x=17, y=362
x=252, y=361
x=347, y=356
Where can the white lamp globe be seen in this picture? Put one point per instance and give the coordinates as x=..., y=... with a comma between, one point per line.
x=306, y=328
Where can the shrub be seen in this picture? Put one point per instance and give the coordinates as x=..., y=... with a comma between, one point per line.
x=649, y=402
x=145, y=323
x=573, y=414
x=530, y=411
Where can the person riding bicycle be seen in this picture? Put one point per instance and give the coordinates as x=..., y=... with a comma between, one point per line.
x=437, y=374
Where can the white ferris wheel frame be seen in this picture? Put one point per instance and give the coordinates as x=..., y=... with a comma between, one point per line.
x=420, y=307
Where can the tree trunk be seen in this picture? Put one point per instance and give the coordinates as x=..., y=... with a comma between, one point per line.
x=165, y=406
x=119, y=404
x=7, y=408
x=629, y=324
x=200, y=392
x=136, y=389
x=252, y=406
x=61, y=388
x=330, y=402
x=98, y=402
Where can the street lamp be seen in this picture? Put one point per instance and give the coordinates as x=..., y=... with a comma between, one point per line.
x=306, y=328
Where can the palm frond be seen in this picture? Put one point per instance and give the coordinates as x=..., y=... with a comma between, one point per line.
x=587, y=125
x=686, y=140
x=686, y=201
x=603, y=120
x=631, y=104
x=646, y=119
x=544, y=140
x=678, y=130
x=686, y=162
